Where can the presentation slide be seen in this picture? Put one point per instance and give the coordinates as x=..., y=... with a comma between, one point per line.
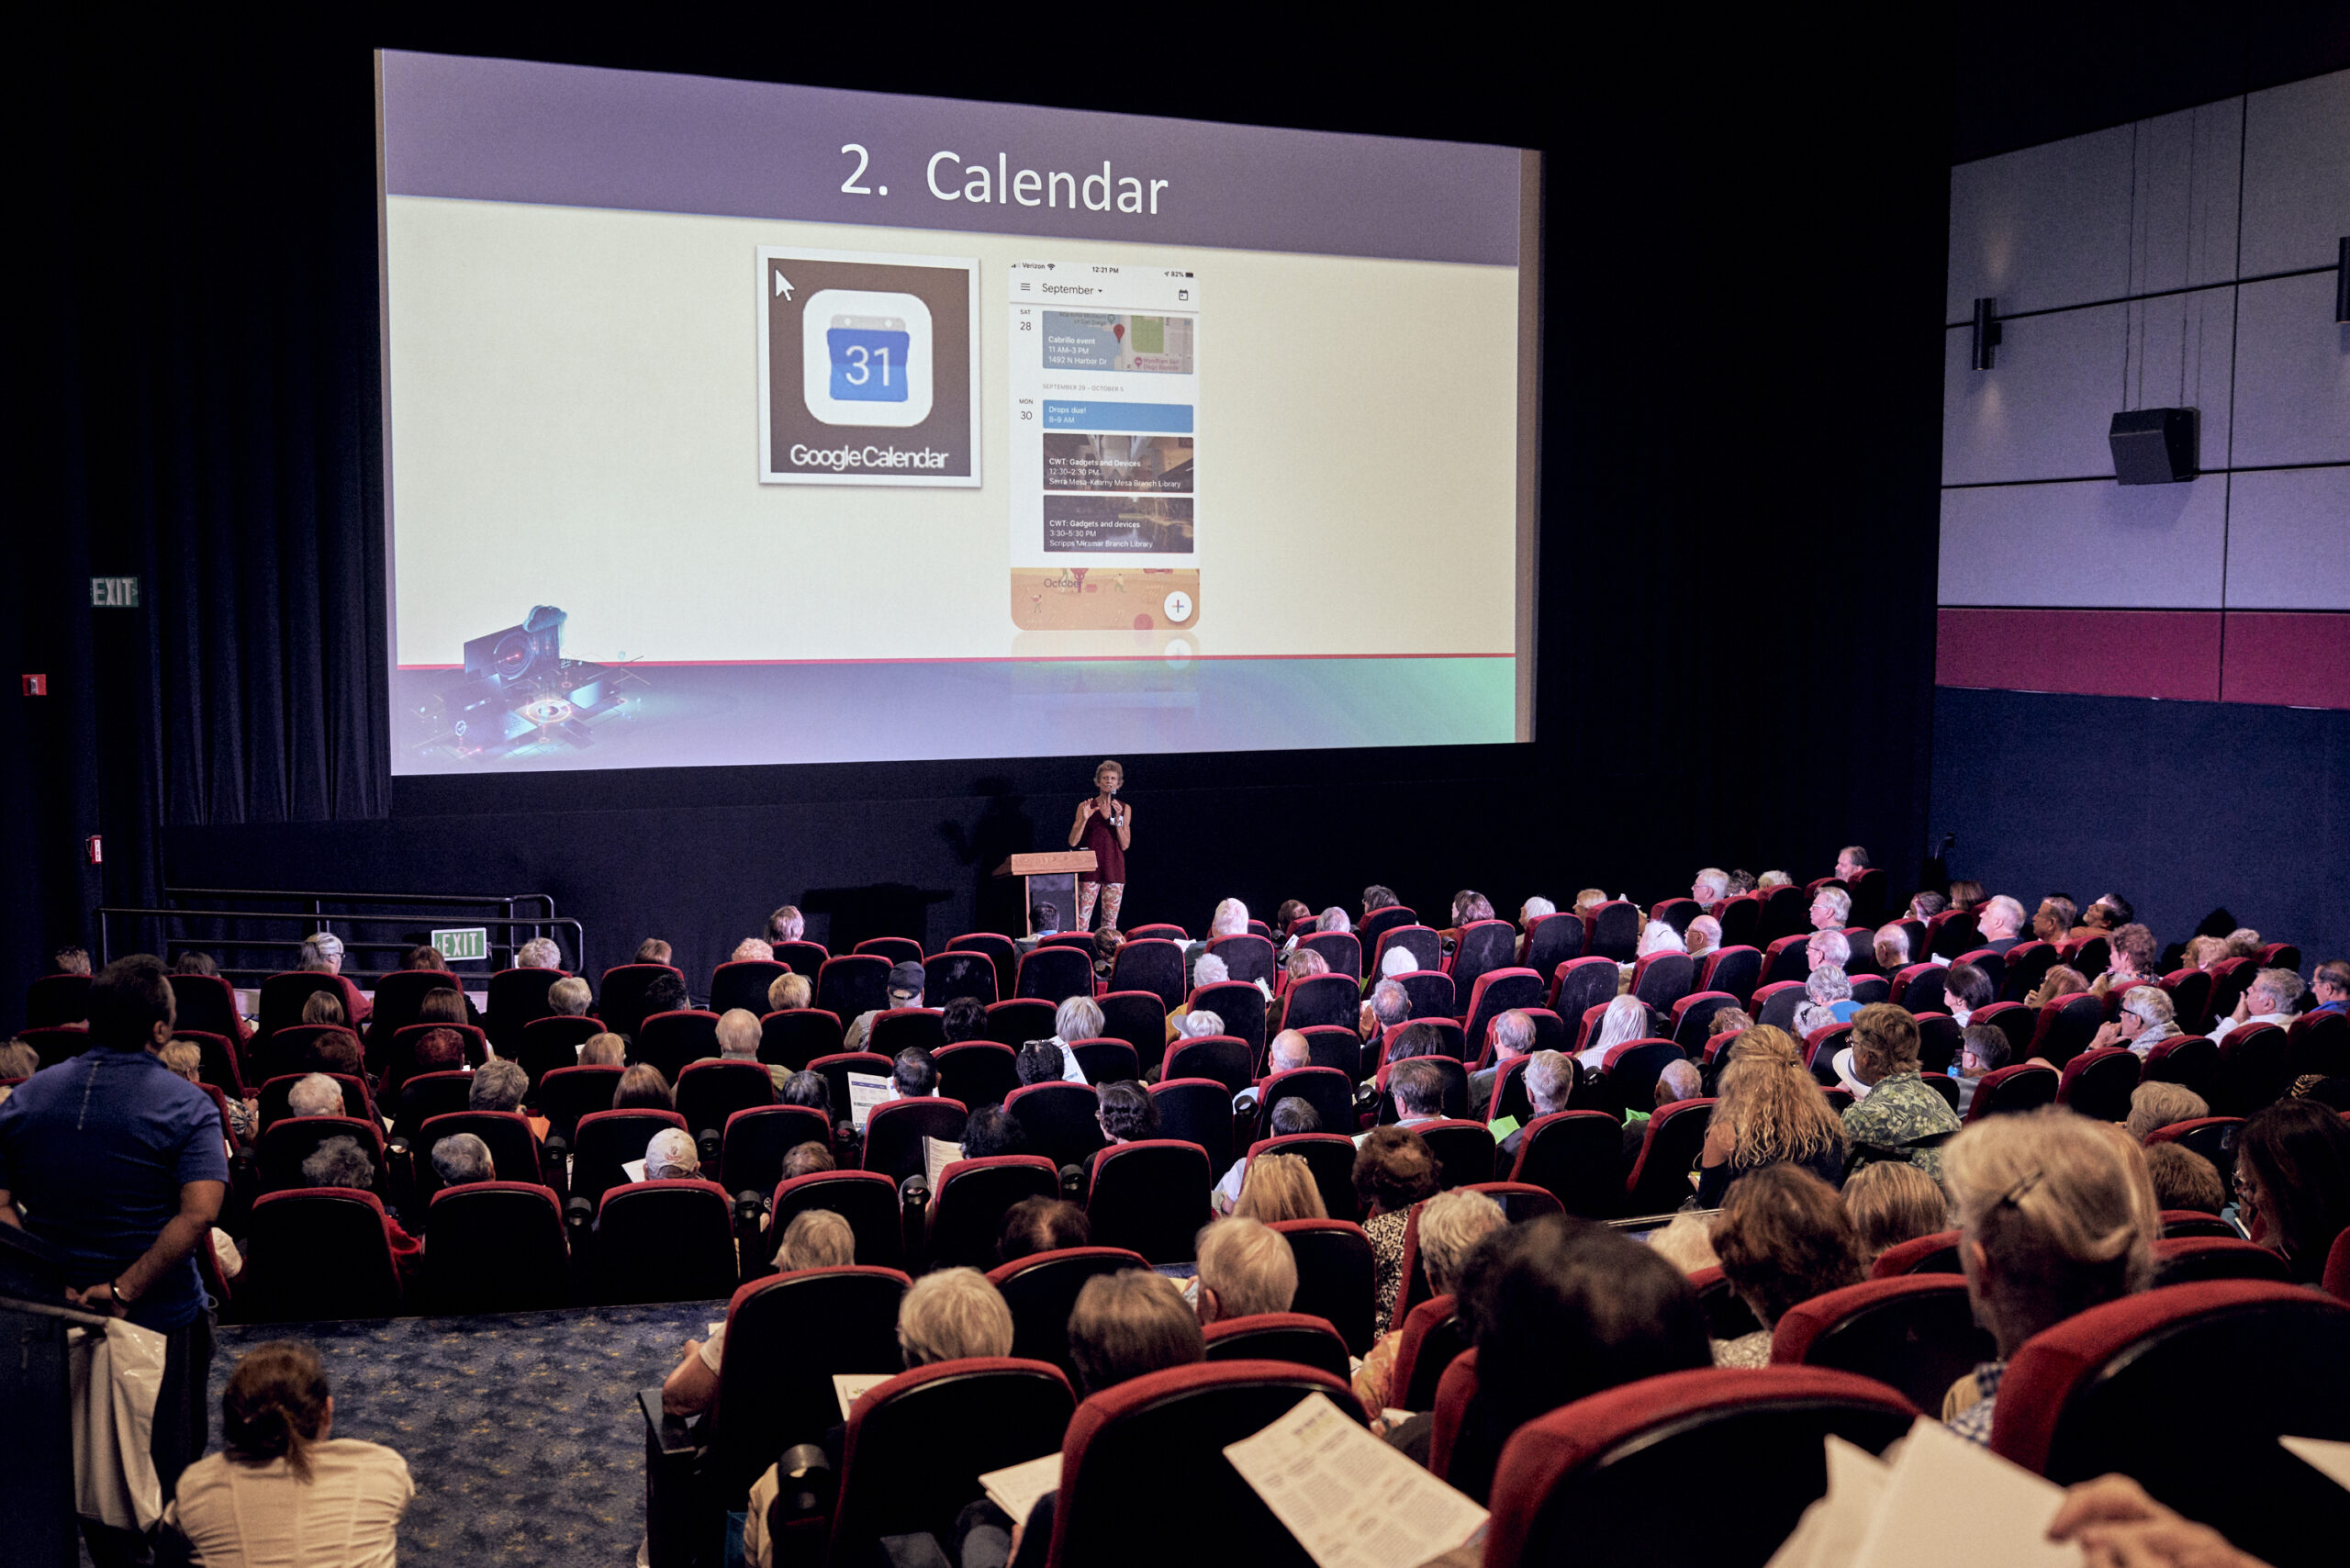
x=730, y=422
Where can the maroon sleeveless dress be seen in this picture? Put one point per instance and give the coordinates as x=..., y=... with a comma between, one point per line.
x=1109, y=859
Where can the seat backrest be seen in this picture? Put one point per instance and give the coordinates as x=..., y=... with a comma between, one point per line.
x=1662, y=978
x=917, y=1445
x=1196, y=1111
x=1061, y=1119
x=1915, y=1332
x=1736, y=970
x=1331, y=1157
x=867, y=1199
x=785, y=1337
x=834, y=1071
x=494, y=1247
x=1224, y=1057
x=1454, y=1102
x=1041, y=1289
x=1152, y=964
x=1342, y=950
x=803, y=958
x=958, y=974
x=967, y=1208
x=1139, y=1018
x=207, y=1002
x=2100, y=1393
x=2317, y=1043
x=798, y=1036
x=1241, y=1006
x=1552, y=940
x=2098, y=1083
x=895, y=1132
x=279, y=1151
x=1279, y=1336
x=1614, y=930
x=1632, y=1069
x=2187, y=1059
x=1577, y=1156
x=319, y=1252
x=1164, y=1434
x=550, y=1043
x=1376, y=923
x=1455, y=1039
x=1104, y=1061
x=1934, y=1254
x=2336, y=1278
x=712, y=1090
x=999, y=949
x=1328, y=1090
x=1246, y=957
x=399, y=999
x=603, y=1141
x=1431, y=1337
x=897, y=950
x=54, y=1001
x=2188, y=1260
x=1054, y=974
x=670, y=1040
x=2195, y=1222
x=295, y=1047
x=1422, y=941
x=1952, y=931
x=1016, y=1022
x=1659, y=1180
x=2252, y=1069
x=568, y=1093
x=1693, y=1018
x=1483, y=947
x=663, y=1241
x=1939, y=1040
x=2231, y=977
x=754, y=1141
x=906, y=1028
x=1335, y=1276
x=2063, y=1027
x=1150, y=1196
x=1775, y=1002
x=977, y=1072
x=2191, y=998
x=2018, y=1087
x=283, y=996
x=516, y=997
x=1494, y=992
x=852, y=984
x=1431, y=994
x=745, y=983
x=1597, y=1481
x=1322, y=999
x=1741, y=919
x=1463, y=1149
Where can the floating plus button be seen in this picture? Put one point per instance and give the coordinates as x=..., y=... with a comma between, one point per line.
x=1178, y=607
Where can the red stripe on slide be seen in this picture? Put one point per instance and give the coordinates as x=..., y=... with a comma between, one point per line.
x=2170, y=653
x=2299, y=660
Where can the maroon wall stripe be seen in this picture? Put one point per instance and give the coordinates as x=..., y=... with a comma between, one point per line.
x=2300, y=659
x=2172, y=654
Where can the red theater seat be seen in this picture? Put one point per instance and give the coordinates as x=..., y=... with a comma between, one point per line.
x=867, y=1199
x=1279, y=1336
x=1935, y=1254
x=663, y=1241
x=1577, y=1156
x=494, y=1247
x=1914, y=1332
x=798, y=1036
x=1041, y=1290
x=320, y=1252
x=957, y=975
x=967, y=1208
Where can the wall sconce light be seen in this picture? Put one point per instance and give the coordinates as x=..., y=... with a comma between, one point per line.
x=2341, y=283
x=1987, y=330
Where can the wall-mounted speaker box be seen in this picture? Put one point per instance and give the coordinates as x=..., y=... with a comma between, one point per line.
x=2153, y=446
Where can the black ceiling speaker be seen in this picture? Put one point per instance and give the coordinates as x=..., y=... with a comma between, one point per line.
x=2153, y=446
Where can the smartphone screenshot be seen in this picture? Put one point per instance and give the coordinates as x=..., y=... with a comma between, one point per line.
x=1104, y=427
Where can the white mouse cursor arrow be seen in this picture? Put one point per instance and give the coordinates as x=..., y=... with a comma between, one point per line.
x=783, y=285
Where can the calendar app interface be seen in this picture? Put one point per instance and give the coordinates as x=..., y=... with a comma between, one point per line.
x=1104, y=428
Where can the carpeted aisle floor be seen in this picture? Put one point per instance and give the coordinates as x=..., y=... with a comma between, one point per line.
x=522, y=1431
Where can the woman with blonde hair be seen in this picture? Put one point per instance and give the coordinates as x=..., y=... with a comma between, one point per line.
x=2056, y=1214
x=1891, y=1201
x=1770, y=1111
x=1279, y=1186
x=2061, y=980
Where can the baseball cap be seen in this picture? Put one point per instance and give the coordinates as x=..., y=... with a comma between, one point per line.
x=906, y=979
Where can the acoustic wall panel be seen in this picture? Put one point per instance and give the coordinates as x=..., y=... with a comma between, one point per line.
x=2288, y=539
x=2296, y=176
x=2183, y=213
x=2150, y=546
x=2048, y=226
x=2292, y=375
x=2040, y=411
x=2292, y=660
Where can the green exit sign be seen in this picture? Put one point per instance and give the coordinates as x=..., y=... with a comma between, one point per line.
x=456, y=946
x=114, y=593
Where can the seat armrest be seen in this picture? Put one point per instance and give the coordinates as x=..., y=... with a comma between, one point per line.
x=670, y=1460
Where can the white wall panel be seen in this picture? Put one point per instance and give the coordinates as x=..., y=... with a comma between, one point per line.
x=2184, y=208
x=2296, y=175
x=2045, y=226
x=2288, y=539
x=2292, y=375
x=2096, y=543
x=2042, y=410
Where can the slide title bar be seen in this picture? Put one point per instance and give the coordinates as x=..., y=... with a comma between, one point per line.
x=579, y=136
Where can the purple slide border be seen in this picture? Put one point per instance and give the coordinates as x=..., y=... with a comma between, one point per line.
x=579, y=136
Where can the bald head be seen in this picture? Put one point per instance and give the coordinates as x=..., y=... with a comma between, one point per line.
x=1290, y=1050
x=1511, y=1033
x=738, y=1033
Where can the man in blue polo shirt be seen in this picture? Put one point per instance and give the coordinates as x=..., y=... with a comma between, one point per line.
x=119, y=1163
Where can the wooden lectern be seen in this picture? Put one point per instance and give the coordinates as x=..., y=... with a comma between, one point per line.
x=1051, y=878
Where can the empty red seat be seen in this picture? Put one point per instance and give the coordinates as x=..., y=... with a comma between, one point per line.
x=516, y=998
x=1062, y=1120
x=896, y=1029
x=709, y=1091
x=671, y=1040
x=494, y=1247
x=663, y=1241
x=1164, y=1434
x=568, y=1093
x=897, y=950
x=1279, y=1336
x=798, y=1036
x=977, y=1072
x=998, y=951
x=1482, y=947
x=1150, y=1196
x=54, y=1000
x=1019, y=1020
x=1659, y=1180
x=1054, y=974
x=1248, y=957
x=957, y=975
x=321, y=1252
x=1330, y=999
x=1914, y=1332
x=1607, y=1479
x=2097, y=1084
x=550, y=1044
x=1577, y=1156
x=1041, y=1290
x=1152, y=964
x=2101, y=1393
x=853, y=984
x=968, y=1206
x=1335, y=1278
x=1197, y=1111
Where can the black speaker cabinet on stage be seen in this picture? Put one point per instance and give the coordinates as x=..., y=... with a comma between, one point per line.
x=2153, y=446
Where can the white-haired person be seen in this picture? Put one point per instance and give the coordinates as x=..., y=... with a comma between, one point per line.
x=1830, y=909
x=539, y=953
x=2145, y=1020
x=1245, y=1269
x=314, y=1095
x=1657, y=937
x=1387, y=1005
x=751, y=950
x=816, y=1238
x=738, y=1040
x=1511, y=1034
x=1891, y=947
x=2001, y=922
x=1828, y=999
x=1550, y=1079
x=2056, y=1214
x=1679, y=1079
x=1451, y=1224
x=569, y=997
x=1704, y=937
x=1626, y=1019
x=461, y=1159
x=1711, y=887
x=1230, y=919
x=2269, y=999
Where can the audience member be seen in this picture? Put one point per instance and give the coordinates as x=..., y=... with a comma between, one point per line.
x=2109, y=912
x=1393, y=1170
x=786, y=924
x=1678, y=1081
x=1078, y=1018
x=498, y=1085
x=1825, y=948
x=642, y=1088
x=1769, y=880
x=539, y=953
x=816, y=1238
x=1729, y=1021
x=1588, y=899
x=1129, y=1324
x=2155, y=1105
x=1470, y=906
x=912, y=1075
x=1891, y=1201
x=607, y=1049
x=1891, y=949
x=2061, y=980
x=1624, y=1020
x=1657, y=937
x=344, y=1162
x=1783, y=1237
x=285, y=1489
x=2132, y=959
x=314, y=1095
x=991, y=1131
x=1125, y=1114
x=1828, y=999
x=2185, y=1179
x=902, y=989
x=425, y=956
x=2001, y=922
x=2054, y=920
x=1686, y=1243
x=1902, y=1114
x=19, y=1060
x=1560, y=1309
x=338, y=1050
x=1770, y=1110
x=1277, y=1187
x=808, y=1159
x=1245, y=1268
x=1967, y=892
x=1510, y=1035
x=1040, y=1225
x=1831, y=907
x=2145, y=1021
x=1549, y=1079
x=806, y=1088
x=323, y=1007
x=670, y=1156
x=652, y=950
x=1389, y=1005
x=751, y=950
x=195, y=962
x=1925, y=906
x=447, y=1005
x=2115, y=1521
x=1290, y=1115
x=1850, y=861
x=568, y=997
x=965, y=1018
x=790, y=992
x=320, y=954
x=1451, y=1225
x=462, y=1159
x=1711, y=887
x=1964, y=989
x=2058, y=1214
x=738, y=1040
x=1742, y=882
x=952, y=1315
x=1040, y=1062
x=2293, y=1181
x=2267, y=1000
x=1377, y=896
x=1418, y=1088
x=1982, y=1049
x=1704, y=937
x=2331, y=986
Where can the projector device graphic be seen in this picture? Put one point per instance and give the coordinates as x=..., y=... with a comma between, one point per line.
x=865, y=358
